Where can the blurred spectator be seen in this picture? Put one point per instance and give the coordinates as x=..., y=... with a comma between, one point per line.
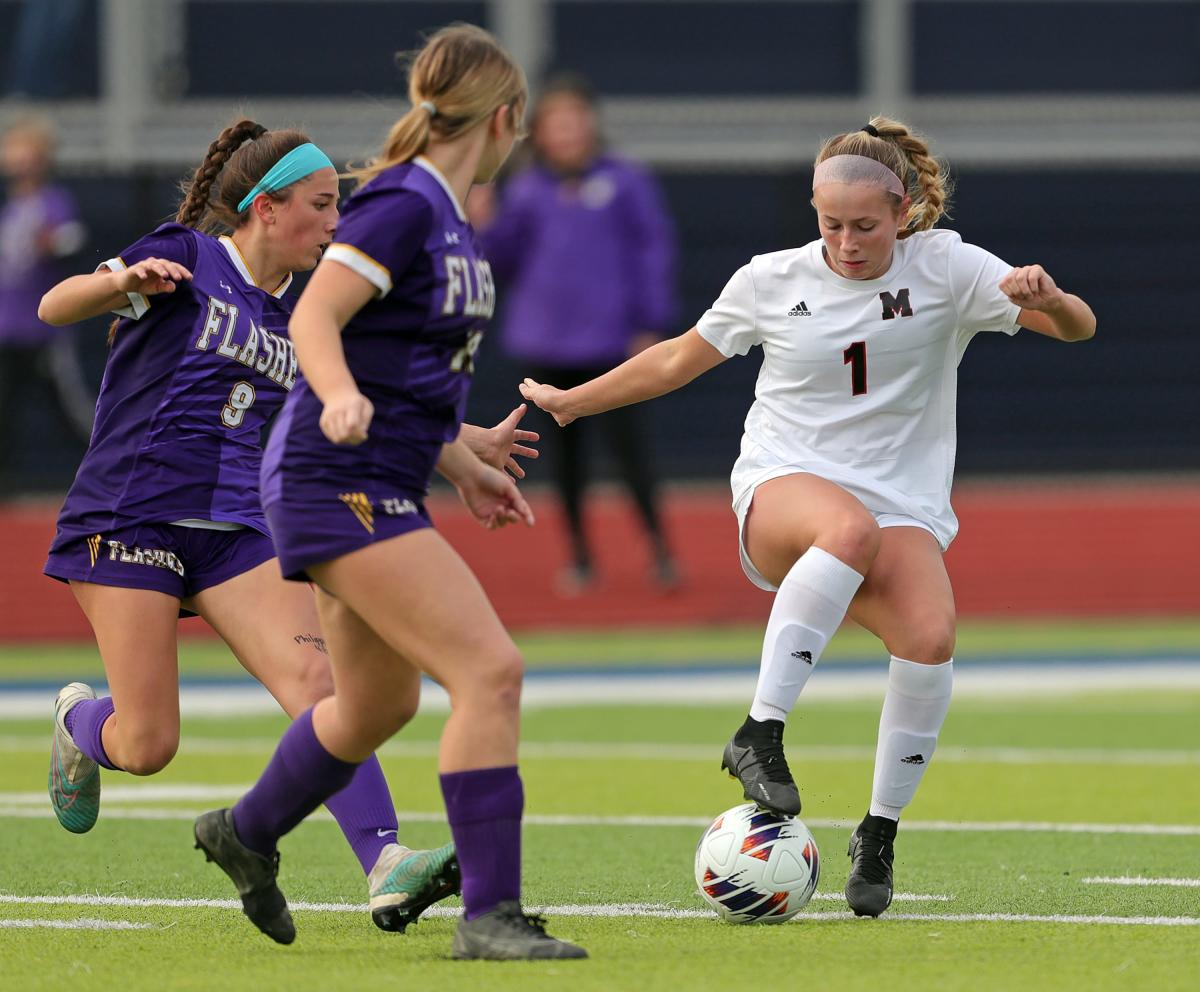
x=39, y=230
x=585, y=249
x=44, y=48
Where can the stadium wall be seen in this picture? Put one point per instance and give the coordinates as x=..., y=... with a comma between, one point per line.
x=1032, y=549
x=1124, y=240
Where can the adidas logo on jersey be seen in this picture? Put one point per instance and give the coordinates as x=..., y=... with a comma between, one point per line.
x=800, y=310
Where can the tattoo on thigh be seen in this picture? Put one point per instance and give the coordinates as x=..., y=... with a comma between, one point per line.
x=316, y=640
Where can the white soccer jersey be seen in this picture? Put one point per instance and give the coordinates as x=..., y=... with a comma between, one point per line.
x=859, y=378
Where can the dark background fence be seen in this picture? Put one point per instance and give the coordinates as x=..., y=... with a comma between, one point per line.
x=1073, y=128
x=1127, y=241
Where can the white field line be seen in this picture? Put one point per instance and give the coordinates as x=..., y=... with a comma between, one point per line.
x=1181, y=883
x=348, y=907
x=36, y=805
x=1148, y=921
x=126, y=902
x=80, y=924
x=649, y=751
x=628, y=910
x=691, y=687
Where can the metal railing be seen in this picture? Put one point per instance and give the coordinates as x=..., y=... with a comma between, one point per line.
x=131, y=124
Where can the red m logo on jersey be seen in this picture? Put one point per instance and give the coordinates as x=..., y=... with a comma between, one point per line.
x=898, y=304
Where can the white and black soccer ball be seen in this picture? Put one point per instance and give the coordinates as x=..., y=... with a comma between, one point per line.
x=753, y=866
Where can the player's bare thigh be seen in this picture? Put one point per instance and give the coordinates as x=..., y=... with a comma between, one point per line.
x=272, y=627
x=424, y=601
x=790, y=514
x=420, y=597
x=906, y=599
x=375, y=684
x=136, y=634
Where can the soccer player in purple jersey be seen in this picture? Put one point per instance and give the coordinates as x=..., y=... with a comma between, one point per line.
x=385, y=335
x=164, y=516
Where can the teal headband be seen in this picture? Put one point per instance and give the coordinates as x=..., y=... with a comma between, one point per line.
x=294, y=166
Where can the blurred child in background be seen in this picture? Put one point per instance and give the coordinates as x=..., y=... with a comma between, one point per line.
x=39, y=230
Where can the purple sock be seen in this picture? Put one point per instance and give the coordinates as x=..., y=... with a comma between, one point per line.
x=484, y=806
x=365, y=813
x=300, y=776
x=85, y=721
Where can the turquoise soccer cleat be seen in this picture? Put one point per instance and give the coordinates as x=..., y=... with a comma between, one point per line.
x=404, y=883
x=74, y=780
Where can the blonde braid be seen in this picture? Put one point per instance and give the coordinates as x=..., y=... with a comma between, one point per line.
x=929, y=186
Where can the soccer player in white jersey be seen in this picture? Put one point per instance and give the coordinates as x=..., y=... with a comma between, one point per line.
x=842, y=488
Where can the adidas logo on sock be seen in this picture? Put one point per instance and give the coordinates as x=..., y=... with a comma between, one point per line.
x=805, y=656
x=913, y=759
x=800, y=310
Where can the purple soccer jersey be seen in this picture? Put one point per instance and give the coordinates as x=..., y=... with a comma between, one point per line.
x=36, y=232
x=410, y=350
x=191, y=381
x=586, y=262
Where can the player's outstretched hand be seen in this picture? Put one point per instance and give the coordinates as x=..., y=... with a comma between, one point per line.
x=1031, y=288
x=152, y=276
x=547, y=398
x=500, y=445
x=346, y=418
x=494, y=499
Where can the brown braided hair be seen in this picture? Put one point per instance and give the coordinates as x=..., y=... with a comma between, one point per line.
x=907, y=154
x=239, y=157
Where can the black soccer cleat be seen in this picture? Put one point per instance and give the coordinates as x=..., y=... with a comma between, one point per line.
x=754, y=756
x=869, y=887
x=253, y=874
x=508, y=933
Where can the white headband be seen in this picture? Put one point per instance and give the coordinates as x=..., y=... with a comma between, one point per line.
x=857, y=170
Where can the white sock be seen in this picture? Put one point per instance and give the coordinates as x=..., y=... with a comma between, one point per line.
x=914, y=709
x=809, y=607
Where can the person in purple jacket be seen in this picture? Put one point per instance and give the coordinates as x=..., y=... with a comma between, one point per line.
x=584, y=247
x=40, y=230
x=385, y=334
x=164, y=516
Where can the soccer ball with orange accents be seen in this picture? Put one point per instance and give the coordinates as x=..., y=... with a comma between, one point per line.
x=754, y=866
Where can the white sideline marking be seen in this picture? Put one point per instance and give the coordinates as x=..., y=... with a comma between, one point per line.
x=896, y=897
x=81, y=924
x=127, y=902
x=645, y=751
x=36, y=805
x=140, y=793
x=689, y=686
x=1182, y=883
x=1126, y=921
x=623, y=910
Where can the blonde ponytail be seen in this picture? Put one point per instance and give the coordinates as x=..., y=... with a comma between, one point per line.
x=458, y=79
x=408, y=138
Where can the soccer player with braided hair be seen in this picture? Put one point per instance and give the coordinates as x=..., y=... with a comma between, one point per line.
x=842, y=487
x=164, y=517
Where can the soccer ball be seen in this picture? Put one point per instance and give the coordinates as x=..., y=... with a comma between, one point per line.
x=753, y=866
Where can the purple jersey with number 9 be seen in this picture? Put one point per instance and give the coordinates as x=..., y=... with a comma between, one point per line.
x=192, y=379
